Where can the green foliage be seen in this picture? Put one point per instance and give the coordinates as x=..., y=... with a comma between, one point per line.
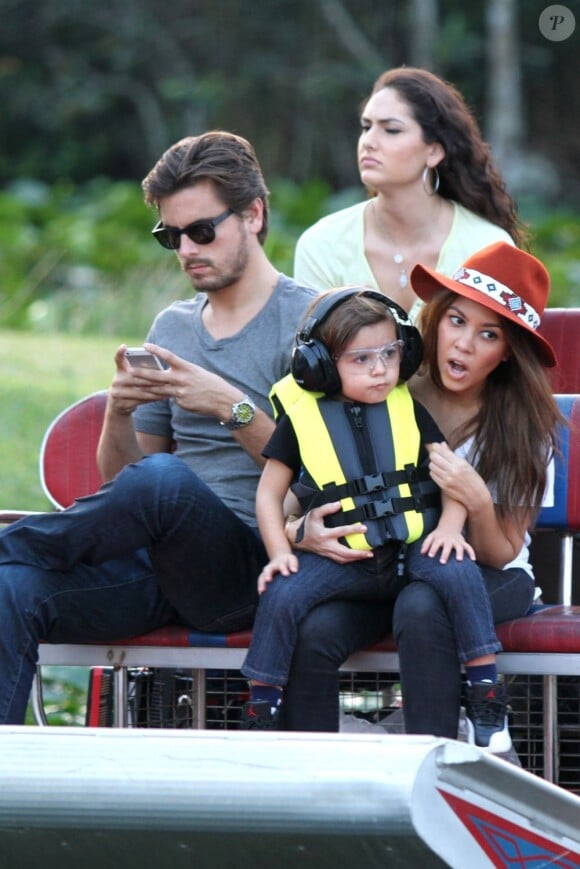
x=41, y=375
x=65, y=696
x=89, y=89
x=70, y=254
x=299, y=205
x=292, y=208
x=557, y=243
x=82, y=260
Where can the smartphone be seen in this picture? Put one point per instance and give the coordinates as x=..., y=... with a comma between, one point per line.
x=140, y=358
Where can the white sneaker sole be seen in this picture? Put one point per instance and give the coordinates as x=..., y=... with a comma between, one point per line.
x=500, y=742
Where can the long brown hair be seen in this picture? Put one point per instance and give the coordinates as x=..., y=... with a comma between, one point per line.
x=516, y=427
x=467, y=172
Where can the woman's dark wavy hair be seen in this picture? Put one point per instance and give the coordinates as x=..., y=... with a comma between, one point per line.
x=517, y=424
x=467, y=172
x=227, y=160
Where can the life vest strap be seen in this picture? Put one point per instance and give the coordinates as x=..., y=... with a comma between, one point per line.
x=383, y=509
x=370, y=483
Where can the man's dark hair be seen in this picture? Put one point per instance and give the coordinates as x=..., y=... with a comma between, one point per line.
x=227, y=160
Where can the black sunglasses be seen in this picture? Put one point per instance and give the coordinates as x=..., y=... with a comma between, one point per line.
x=200, y=231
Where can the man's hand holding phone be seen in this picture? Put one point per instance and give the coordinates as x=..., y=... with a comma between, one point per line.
x=139, y=357
x=140, y=377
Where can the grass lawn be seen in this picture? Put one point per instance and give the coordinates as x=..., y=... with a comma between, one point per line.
x=41, y=375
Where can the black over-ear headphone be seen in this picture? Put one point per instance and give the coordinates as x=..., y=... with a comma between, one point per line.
x=314, y=369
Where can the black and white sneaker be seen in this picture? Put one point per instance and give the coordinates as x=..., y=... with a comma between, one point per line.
x=486, y=717
x=259, y=715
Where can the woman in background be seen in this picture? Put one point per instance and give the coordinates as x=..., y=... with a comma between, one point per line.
x=435, y=196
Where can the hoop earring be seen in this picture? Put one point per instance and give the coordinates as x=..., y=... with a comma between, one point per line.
x=434, y=181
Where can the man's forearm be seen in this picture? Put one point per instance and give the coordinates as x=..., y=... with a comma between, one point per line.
x=254, y=437
x=118, y=444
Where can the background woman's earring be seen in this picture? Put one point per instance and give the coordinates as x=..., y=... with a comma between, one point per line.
x=434, y=187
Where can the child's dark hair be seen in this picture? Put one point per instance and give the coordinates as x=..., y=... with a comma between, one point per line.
x=348, y=318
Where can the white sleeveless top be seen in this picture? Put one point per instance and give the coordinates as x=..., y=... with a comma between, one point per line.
x=522, y=560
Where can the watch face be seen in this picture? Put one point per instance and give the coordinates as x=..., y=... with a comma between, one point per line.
x=244, y=412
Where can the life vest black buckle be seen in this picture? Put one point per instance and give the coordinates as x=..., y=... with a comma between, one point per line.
x=412, y=472
x=418, y=503
x=368, y=483
x=378, y=509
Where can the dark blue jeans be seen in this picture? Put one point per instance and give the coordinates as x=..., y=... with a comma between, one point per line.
x=428, y=657
x=287, y=599
x=462, y=587
x=153, y=546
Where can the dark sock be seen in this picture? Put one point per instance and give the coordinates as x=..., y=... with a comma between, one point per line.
x=266, y=692
x=481, y=673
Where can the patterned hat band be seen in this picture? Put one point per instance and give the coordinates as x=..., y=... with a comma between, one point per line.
x=499, y=293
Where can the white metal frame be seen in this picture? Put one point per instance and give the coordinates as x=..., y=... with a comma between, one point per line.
x=201, y=658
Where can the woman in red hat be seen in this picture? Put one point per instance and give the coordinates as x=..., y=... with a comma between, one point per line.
x=484, y=382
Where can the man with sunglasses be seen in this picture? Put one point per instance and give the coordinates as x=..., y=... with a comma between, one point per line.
x=172, y=535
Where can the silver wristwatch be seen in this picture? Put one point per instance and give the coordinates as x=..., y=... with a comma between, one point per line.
x=243, y=412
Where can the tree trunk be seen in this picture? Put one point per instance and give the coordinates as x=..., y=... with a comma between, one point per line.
x=423, y=32
x=505, y=121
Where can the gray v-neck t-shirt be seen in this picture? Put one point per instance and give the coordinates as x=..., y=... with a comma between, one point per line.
x=252, y=360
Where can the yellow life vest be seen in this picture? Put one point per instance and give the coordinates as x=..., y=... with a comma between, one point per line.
x=356, y=455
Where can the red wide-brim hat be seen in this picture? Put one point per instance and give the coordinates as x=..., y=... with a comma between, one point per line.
x=504, y=279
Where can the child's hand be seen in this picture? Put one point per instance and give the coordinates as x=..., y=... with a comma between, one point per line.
x=285, y=563
x=447, y=542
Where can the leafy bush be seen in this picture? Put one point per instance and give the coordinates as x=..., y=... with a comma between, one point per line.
x=557, y=243
x=73, y=249
x=65, y=696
